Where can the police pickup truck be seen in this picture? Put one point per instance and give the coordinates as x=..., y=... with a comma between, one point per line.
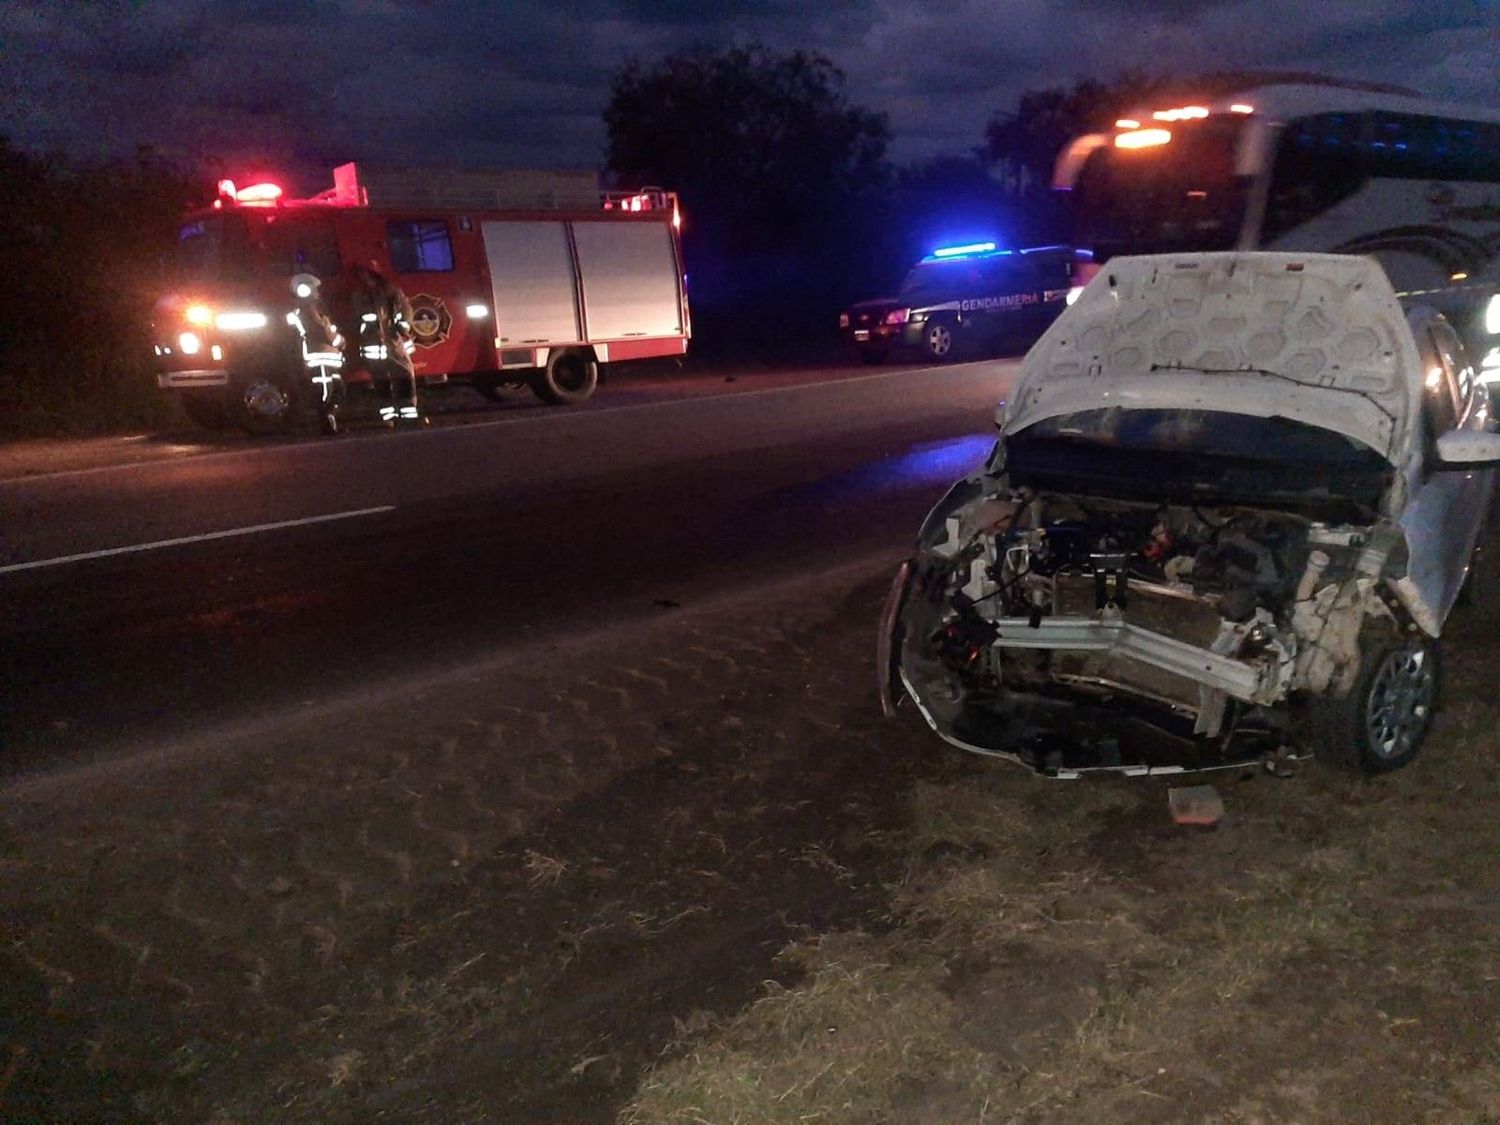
x=963, y=300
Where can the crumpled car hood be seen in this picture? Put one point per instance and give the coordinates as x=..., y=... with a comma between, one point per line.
x=1317, y=338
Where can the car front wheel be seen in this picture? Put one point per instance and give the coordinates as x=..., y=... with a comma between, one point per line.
x=938, y=339
x=264, y=406
x=1381, y=725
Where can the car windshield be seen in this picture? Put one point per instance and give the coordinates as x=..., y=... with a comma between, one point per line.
x=1166, y=198
x=929, y=277
x=213, y=249
x=1196, y=454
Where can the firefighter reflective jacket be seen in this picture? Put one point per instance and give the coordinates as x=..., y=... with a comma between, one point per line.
x=382, y=321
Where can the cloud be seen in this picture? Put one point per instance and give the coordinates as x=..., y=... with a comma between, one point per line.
x=451, y=81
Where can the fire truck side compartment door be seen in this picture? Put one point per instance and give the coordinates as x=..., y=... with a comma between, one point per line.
x=630, y=279
x=535, y=286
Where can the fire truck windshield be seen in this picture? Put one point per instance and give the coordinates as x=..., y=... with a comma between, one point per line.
x=213, y=249
x=1162, y=198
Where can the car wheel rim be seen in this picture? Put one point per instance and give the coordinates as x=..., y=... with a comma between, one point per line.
x=939, y=339
x=264, y=400
x=1400, y=703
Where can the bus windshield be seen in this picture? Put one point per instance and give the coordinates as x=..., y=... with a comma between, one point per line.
x=1182, y=195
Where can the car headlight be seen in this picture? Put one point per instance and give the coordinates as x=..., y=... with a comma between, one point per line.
x=898, y=316
x=843, y=320
x=239, y=321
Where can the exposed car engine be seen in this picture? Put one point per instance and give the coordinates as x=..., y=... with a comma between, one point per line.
x=1213, y=613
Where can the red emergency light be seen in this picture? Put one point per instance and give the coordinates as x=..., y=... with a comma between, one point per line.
x=256, y=193
x=259, y=193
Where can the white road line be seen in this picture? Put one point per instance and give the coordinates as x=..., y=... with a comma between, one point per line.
x=160, y=543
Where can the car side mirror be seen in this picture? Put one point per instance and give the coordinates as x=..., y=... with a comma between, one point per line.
x=1465, y=450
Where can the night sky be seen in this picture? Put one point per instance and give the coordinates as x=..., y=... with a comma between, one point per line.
x=309, y=83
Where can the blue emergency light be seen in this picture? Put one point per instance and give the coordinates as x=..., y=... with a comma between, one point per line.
x=964, y=250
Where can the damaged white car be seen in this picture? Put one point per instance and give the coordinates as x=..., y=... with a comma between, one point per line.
x=1234, y=498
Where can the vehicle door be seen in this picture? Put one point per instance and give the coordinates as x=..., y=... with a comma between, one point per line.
x=1473, y=489
x=1445, y=512
x=1000, y=291
x=1052, y=268
x=426, y=258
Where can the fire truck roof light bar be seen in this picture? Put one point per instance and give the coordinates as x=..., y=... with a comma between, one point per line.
x=265, y=192
x=259, y=193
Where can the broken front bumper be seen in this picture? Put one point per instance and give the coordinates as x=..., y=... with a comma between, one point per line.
x=1132, y=643
x=1115, y=689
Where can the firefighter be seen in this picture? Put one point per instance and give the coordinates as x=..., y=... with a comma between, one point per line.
x=381, y=318
x=322, y=348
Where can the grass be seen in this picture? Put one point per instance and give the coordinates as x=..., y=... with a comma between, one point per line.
x=1061, y=953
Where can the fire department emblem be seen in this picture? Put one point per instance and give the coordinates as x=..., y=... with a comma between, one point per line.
x=430, y=320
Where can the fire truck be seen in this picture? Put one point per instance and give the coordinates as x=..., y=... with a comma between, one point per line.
x=516, y=279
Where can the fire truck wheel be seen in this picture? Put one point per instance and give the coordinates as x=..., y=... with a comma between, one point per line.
x=206, y=409
x=264, y=407
x=569, y=377
x=500, y=389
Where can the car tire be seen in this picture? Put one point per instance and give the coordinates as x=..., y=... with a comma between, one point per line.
x=500, y=388
x=263, y=406
x=569, y=378
x=1382, y=723
x=939, y=340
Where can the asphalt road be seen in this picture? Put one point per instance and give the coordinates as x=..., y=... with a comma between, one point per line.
x=147, y=600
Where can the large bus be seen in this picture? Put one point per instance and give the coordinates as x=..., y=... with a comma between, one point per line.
x=1305, y=166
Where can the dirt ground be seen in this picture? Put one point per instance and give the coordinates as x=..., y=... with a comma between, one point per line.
x=684, y=871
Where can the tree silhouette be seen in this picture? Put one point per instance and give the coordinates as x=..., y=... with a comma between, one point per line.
x=1025, y=143
x=784, y=183
x=761, y=145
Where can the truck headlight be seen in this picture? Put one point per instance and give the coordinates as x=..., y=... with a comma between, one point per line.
x=239, y=321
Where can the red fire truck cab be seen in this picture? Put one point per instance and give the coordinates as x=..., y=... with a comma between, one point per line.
x=515, y=279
